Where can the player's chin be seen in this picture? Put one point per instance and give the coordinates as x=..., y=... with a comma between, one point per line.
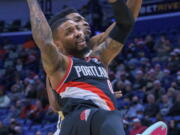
x=81, y=45
x=82, y=49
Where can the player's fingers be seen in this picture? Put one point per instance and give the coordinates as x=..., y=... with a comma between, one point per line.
x=118, y=92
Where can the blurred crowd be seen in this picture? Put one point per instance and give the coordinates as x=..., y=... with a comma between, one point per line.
x=95, y=12
x=22, y=88
x=147, y=72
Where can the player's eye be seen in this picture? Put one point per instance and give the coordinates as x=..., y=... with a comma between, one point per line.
x=68, y=31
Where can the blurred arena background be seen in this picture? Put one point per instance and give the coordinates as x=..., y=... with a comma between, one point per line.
x=147, y=71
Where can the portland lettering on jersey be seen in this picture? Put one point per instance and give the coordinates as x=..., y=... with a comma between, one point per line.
x=91, y=71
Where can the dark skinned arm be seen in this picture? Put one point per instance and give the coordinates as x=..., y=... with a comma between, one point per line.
x=52, y=97
x=42, y=35
x=110, y=48
x=54, y=63
x=134, y=6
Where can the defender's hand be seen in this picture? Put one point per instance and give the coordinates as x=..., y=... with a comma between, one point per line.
x=111, y=1
x=118, y=94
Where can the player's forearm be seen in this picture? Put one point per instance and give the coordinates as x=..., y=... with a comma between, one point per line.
x=124, y=21
x=41, y=31
x=122, y=13
x=134, y=6
x=52, y=97
x=42, y=35
x=123, y=16
x=114, y=44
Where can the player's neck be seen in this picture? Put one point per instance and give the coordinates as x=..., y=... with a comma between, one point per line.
x=80, y=55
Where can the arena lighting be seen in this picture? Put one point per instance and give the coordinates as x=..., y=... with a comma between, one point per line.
x=158, y=16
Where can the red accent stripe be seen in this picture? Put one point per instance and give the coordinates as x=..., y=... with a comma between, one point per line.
x=91, y=88
x=66, y=74
x=159, y=131
x=87, y=59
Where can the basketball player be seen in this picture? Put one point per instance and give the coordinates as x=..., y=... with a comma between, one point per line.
x=82, y=83
x=134, y=6
x=73, y=14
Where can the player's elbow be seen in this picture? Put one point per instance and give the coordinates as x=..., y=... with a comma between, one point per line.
x=48, y=42
x=45, y=45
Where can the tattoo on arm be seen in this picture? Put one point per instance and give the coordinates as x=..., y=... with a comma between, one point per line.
x=40, y=27
x=107, y=51
x=42, y=35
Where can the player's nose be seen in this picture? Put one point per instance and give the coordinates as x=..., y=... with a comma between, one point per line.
x=78, y=33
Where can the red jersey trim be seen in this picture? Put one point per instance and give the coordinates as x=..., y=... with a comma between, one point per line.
x=91, y=88
x=66, y=74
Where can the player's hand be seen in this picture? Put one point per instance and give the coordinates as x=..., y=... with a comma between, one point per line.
x=111, y=1
x=118, y=94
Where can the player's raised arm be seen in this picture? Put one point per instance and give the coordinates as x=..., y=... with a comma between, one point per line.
x=134, y=6
x=42, y=35
x=114, y=43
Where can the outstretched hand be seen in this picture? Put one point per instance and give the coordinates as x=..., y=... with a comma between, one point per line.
x=111, y=1
x=118, y=94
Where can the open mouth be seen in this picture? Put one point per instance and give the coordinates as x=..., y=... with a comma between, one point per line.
x=81, y=42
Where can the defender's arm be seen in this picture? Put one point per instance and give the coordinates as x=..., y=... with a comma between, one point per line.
x=134, y=6
x=114, y=43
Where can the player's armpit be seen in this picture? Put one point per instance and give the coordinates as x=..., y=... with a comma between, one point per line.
x=53, y=60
